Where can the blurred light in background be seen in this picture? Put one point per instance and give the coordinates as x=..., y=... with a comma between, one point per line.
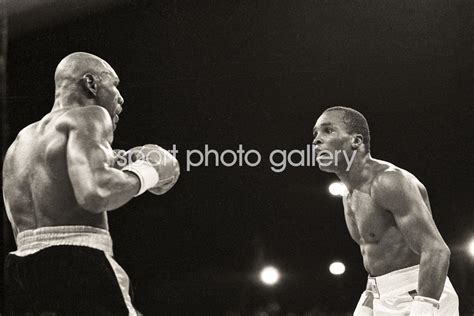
x=337, y=189
x=337, y=268
x=471, y=248
x=269, y=275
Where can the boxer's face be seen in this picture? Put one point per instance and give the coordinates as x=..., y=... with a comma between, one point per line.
x=109, y=96
x=331, y=140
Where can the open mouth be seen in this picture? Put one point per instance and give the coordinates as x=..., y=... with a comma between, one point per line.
x=323, y=154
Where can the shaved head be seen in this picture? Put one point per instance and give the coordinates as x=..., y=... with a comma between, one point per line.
x=74, y=66
x=354, y=121
x=83, y=79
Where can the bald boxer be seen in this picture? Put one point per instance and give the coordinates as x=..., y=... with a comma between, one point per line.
x=60, y=178
x=388, y=214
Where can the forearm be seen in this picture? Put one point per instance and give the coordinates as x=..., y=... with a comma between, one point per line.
x=107, y=189
x=434, y=266
x=122, y=187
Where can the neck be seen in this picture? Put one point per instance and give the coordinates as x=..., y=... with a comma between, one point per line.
x=69, y=98
x=358, y=173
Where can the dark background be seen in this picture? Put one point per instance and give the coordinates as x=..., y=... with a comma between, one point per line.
x=259, y=73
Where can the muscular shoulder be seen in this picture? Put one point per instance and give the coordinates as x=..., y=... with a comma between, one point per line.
x=89, y=119
x=393, y=186
x=87, y=116
x=27, y=133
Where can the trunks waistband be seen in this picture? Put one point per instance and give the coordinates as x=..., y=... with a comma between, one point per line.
x=395, y=282
x=31, y=241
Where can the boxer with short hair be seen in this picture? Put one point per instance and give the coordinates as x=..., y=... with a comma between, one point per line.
x=60, y=178
x=388, y=214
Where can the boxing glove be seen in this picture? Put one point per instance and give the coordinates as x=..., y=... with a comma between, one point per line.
x=164, y=163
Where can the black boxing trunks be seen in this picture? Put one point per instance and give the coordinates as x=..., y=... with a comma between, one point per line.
x=65, y=270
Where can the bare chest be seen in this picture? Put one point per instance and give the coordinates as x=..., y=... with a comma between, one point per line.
x=366, y=221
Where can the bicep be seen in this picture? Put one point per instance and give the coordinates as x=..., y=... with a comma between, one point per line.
x=88, y=155
x=411, y=214
x=416, y=225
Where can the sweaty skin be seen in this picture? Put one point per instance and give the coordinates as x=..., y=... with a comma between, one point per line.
x=375, y=229
x=387, y=210
x=59, y=170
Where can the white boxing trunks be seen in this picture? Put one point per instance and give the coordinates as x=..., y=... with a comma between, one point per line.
x=392, y=294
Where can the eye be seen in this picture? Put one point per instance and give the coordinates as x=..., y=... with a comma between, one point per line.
x=328, y=130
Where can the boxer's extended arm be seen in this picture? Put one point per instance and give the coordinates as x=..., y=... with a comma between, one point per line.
x=401, y=196
x=98, y=186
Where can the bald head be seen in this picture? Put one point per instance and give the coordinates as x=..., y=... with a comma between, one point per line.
x=74, y=66
x=83, y=79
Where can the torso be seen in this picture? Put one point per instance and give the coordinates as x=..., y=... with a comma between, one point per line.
x=374, y=229
x=36, y=186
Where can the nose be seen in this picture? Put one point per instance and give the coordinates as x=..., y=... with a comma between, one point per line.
x=120, y=99
x=317, y=141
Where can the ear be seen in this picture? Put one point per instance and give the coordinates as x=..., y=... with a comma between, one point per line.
x=357, y=141
x=90, y=83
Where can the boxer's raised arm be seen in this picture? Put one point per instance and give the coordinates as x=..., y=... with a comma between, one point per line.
x=98, y=186
x=400, y=195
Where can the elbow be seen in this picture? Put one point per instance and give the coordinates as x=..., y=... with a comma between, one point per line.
x=446, y=251
x=445, y=254
x=441, y=252
x=93, y=201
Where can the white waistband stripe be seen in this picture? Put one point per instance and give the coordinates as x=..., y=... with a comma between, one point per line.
x=31, y=241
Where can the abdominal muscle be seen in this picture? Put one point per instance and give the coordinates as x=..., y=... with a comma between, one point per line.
x=389, y=253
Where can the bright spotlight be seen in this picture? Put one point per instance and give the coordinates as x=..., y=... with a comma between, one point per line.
x=337, y=268
x=337, y=188
x=471, y=248
x=269, y=275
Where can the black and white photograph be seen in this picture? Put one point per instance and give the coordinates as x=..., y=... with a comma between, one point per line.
x=234, y=158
